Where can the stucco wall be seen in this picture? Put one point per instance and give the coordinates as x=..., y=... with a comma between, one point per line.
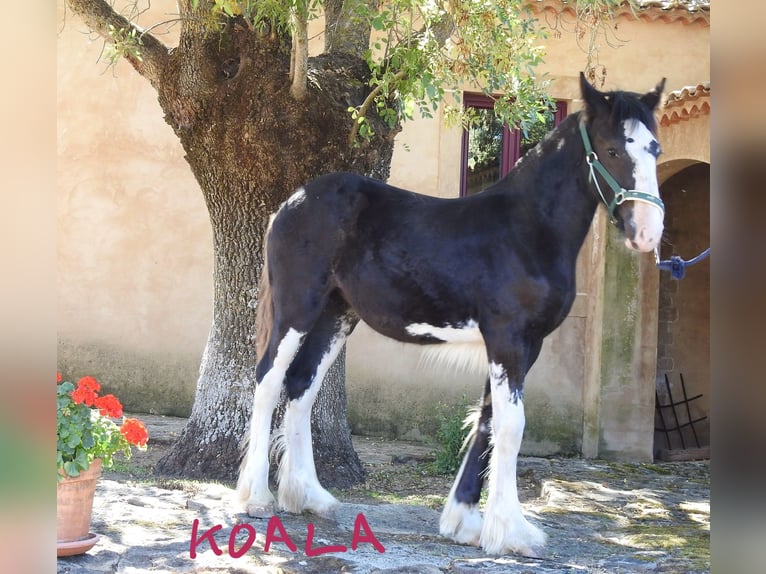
x=135, y=247
x=134, y=241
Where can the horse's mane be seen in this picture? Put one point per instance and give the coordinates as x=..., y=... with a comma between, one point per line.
x=628, y=106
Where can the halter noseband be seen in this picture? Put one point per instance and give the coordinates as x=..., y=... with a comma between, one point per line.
x=621, y=195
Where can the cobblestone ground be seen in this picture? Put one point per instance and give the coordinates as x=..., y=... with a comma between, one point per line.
x=600, y=517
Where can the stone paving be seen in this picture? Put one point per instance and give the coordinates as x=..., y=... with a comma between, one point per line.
x=600, y=517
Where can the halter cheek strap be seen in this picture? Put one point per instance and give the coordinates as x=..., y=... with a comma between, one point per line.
x=621, y=195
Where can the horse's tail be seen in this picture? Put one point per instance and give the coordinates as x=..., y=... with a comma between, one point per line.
x=264, y=309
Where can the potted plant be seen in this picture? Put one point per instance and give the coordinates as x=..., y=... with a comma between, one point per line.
x=88, y=437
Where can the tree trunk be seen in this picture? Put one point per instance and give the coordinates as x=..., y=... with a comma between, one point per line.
x=250, y=144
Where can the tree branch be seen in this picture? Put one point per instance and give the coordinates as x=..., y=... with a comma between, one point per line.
x=400, y=75
x=299, y=62
x=148, y=57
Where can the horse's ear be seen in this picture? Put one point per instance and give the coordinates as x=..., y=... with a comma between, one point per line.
x=651, y=99
x=595, y=101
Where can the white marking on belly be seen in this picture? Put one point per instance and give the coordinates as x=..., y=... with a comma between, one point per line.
x=467, y=332
x=462, y=347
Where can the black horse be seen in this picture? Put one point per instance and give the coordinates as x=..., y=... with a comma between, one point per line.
x=493, y=272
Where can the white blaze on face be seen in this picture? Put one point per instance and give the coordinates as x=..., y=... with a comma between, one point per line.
x=642, y=147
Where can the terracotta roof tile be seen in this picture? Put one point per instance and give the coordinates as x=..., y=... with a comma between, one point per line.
x=666, y=10
x=688, y=102
x=688, y=5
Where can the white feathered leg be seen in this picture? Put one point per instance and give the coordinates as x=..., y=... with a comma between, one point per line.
x=253, y=484
x=461, y=520
x=505, y=528
x=299, y=487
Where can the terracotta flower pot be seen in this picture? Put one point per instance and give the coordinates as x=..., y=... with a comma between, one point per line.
x=74, y=506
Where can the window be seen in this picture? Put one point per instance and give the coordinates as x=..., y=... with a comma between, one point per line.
x=491, y=148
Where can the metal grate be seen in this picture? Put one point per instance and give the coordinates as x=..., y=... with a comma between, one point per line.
x=673, y=426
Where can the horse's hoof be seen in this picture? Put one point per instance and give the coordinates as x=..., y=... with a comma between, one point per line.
x=531, y=552
x=328, y=513
x=500, y=536
x=261, y=510
x=461, y=522
x=324, y=506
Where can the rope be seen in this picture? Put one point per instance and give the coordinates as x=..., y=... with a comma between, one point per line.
x=676, y=265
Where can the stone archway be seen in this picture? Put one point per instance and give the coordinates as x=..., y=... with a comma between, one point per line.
x=683, y=334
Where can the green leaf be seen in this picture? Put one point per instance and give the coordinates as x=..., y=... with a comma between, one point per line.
x=81, y=460
x=73, y=439
x=71, y=468
x=87, y=440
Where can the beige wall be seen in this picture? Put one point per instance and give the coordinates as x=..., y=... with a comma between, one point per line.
x=134, y=242
x=135, y=248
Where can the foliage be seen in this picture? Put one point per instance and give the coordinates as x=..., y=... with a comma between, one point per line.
x=422, y=51
x=85, y=429
x=125, y=43
x=536, y=132
x=275, y=12
x=451, y=435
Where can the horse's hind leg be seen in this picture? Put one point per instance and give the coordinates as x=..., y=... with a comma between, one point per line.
x=461, y=519
x=253, y=484
x=299, y=487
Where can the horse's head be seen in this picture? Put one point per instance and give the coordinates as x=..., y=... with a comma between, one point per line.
x=618, y=130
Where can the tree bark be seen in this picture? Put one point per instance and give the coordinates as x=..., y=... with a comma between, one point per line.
x=300, y=56
x=226, y=92
x=344, y=30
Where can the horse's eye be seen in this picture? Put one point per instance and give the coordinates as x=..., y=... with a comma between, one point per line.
x=612, y=152
x=630, y=140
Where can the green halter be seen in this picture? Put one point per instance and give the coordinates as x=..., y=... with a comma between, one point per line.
x=621, y=194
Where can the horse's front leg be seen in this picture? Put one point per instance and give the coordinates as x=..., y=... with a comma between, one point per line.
x=505, y=529
x=461, y=520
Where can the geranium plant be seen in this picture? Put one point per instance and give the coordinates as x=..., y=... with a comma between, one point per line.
x=87, y=427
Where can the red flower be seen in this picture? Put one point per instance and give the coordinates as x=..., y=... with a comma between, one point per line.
x=109, y=406
x=89, y=383
x=59, y=378
x=86, y=391
x=135, y=432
